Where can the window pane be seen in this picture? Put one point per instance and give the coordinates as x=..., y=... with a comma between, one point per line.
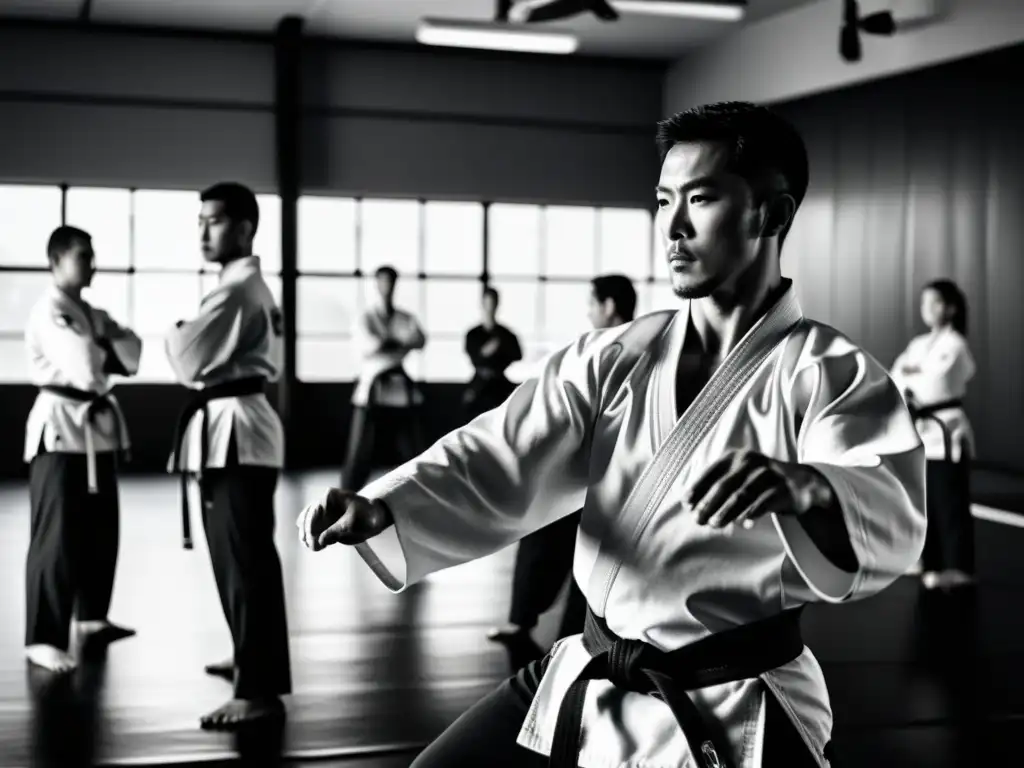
x=625, y=242
x=570, y=241
x=565, y=311
x=153, y=365
x=166, y=231
x=19, y=291
x=28, y=216
x=452, y=306
x=408, y=295
x=453, y=238
x=445, y=360
x=414, y=363
x=159, y=301
x=534, y=352
x=659, y=267
x=328, y=305
x=110, y=292
x=13, y=361
x=519, y=306
x=325, y=360
x=327, y=234
x=106, y=214
x=390, y=234
x=267, y=244
x=513, y=240
x=657, y=296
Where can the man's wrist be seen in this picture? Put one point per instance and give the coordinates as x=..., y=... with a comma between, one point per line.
x=811, y=489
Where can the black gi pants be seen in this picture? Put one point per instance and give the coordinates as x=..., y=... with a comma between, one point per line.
x=238, y=517
x=72, y=553
x=485, y=735
x=949, y=542
x=378, y=436
x=543, y=561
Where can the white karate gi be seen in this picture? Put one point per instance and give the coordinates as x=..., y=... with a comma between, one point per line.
x=946, y=367
x=62, y=341
x=581, y=434
x=371, y=331
x=237, y=335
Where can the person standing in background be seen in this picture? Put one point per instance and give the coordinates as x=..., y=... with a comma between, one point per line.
x=933, y=373
x=544, y=558
x=232, y=439
x=384, y=394
x=492, y=348
x=73, y=436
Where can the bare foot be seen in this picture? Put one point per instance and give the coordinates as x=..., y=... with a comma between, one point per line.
x=48, y=657
x=221, y=669
x=238, y=713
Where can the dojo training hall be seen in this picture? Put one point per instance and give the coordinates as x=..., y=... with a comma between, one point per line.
x=371, y=139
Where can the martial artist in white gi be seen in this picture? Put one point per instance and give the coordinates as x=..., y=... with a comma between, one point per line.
x=232, y=439
x=382, y=419
x=933, y=373
x=74, y=434
x=734, y=460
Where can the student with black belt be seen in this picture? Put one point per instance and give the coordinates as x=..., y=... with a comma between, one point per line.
x=933, y=373
x=74, y=434
x=232, y=440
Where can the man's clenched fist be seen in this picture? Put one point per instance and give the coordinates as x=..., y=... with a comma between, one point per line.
x=341, y=517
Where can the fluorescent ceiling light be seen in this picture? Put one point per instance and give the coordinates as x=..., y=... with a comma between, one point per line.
x=494, y=36
x=692, y=9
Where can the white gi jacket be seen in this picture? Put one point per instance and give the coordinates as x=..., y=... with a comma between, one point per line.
x=62, y=341
x=581, y=433
x=371, y=331
x=238, y=334
x=945, y=367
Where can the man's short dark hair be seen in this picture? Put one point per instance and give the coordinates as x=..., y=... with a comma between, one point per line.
x=620, y=290
x=238, y=200
x=387, y=271
x=62, y=239
x=493, y=293
x=761, y=143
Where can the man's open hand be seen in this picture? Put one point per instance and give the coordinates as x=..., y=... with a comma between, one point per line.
x=341, y=517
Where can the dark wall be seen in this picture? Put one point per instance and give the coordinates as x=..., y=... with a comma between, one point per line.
x=912, y=179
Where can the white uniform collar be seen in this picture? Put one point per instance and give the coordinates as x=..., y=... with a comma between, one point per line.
x=238, y=268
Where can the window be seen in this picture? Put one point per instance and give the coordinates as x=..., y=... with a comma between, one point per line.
x=161, y=300
x=519, y=306
x=327, y=235
x=451, y=306
x=513, y=240
x=111, y=292
x=390, y=235
x=267, y=243
x=106, y=214
x=28, y=216
x=326, y=359
x=446, y=361
x=624, y=242
x=570, y=242
x=565, y=311
x=166, y=231
x=19, y=291
x=327, y=306
x=453, y=238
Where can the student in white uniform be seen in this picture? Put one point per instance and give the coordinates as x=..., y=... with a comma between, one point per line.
x=232, y=439
x=544, y=558
x=734, y=461
x=384, y=392
x=933, y=373
x=74, y=434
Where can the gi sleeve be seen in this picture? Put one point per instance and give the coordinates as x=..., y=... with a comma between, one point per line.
x=413, y=336
x=198, y=346
x=61, y=347
x=123, y=346
x=854, y=427
x=488, y=484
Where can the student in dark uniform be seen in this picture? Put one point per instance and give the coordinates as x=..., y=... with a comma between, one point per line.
x=544, y=559
x=74, y=434
x=492, y=348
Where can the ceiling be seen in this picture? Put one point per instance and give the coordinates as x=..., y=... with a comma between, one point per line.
x=633, y=36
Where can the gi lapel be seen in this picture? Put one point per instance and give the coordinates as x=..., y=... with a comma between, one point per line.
x=693, y=426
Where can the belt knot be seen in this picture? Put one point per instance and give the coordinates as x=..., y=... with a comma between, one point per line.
x=625, y=670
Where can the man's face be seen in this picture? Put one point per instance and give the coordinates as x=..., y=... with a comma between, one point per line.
x=600, y=313
x=489, y=307
x=220, y=238
x=77, y=265
x=386, y=288
x=706, y=220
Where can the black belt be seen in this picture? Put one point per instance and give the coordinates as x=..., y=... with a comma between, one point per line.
x=928, y=412
x=198, y=401
x=97, y=403
x=632, y=665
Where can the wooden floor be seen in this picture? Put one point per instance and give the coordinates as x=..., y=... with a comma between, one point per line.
x=919, y=680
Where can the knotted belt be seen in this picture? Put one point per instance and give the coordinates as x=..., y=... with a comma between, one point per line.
x=632, y=665
x=928, y=412
x=97, y=404
x=199, y=401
